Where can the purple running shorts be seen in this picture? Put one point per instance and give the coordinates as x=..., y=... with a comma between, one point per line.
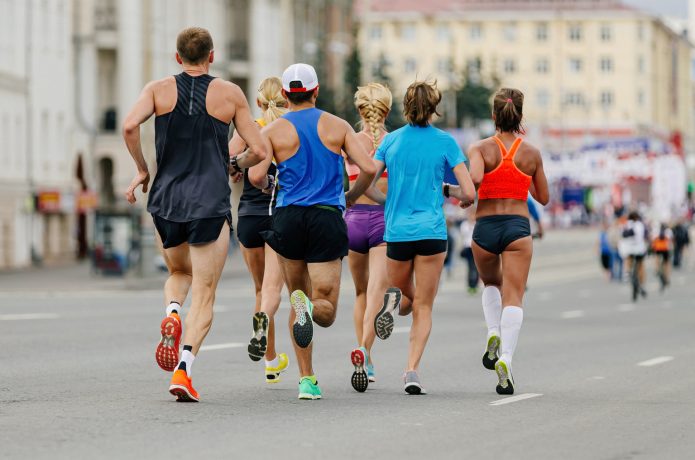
x=366, y=225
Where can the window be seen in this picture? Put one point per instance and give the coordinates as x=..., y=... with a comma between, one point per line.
x=606, y=33
x=542, y=65
x=606, y=65
x=509, y=31
x=445, y=65
x=443, y=33
x=375, y=32
x=543, y=98
x=640, y=64
x=410, y=65
x=640, y=31
x=476, y=31
x=606, y=99
x=509, y=66
x=542, y=32
x=640, y=98
x=408, y=32
x=574, y=98
x=575, y=65
x=575, y=33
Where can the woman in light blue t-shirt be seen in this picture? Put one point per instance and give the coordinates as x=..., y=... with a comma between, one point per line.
x=417, y=156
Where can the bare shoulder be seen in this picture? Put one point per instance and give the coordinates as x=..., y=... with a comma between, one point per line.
x=335, y=122
x=531, y=150
x=226, y=88
x=162, y=84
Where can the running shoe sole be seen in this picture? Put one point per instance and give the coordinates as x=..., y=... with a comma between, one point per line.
x=490, y=357
x=259, y=342
x=309, y=396
x=303, y=327
x=167, y=353
x=413, y=388
x=383, y=323
x=182, y=394
x=360, y=381
x=505, y=386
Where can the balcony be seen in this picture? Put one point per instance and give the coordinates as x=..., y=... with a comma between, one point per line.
x=105, y=16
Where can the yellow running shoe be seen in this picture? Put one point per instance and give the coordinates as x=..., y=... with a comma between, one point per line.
x=272, y=374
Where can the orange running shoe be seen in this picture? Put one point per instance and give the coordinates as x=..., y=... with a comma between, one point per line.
x=167, y=353
x=182, y=388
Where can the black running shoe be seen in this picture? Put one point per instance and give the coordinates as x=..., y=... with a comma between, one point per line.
x=505, y=386
x=259, y=341
x=383, y=323
x=303, y=327
x=360, y=380
x=490, y=357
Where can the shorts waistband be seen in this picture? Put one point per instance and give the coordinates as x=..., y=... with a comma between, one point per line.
x=501, y=218
x=367, y=207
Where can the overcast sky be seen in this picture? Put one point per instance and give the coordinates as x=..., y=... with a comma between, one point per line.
x=663, y=7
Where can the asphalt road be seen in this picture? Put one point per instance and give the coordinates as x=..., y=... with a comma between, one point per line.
x=597, y=377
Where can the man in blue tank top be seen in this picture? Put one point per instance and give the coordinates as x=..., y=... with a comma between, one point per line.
x=308, y=231
x=190, y=196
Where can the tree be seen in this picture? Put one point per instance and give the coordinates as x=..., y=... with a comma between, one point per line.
x=473, y=97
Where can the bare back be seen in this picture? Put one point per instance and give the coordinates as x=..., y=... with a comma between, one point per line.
x=382, y=183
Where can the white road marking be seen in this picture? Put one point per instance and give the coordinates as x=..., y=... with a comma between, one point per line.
x=28, y=316
x=573, y=314
x=655, y=361
x=597, y=377
x=513, y=399
x=626, y=307
x=222, y=346
x=401, y=330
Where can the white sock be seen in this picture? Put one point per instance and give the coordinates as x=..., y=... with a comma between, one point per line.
x=187, y=357
x=512, y=317
x=173, y=306
x=273, y=363
x=492, y=309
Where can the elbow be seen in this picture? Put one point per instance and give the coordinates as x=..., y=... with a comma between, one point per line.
x=259, y=154
x=129, y=128
x=256, y=178
x=544, y=200
x=370, y=170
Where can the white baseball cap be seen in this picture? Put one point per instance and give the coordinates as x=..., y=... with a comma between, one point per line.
x=299, y=78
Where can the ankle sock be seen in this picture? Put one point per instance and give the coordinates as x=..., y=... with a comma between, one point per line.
x=174, y=307
x=512, y=317
x=492, y=309
x=187, y=357
x=272, y=363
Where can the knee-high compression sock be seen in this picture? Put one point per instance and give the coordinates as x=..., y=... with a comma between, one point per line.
x=492, y=309
x=174, y=307
x=512, y=317
x=187, y=357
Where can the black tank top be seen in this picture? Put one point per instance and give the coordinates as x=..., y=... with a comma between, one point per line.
x=253, y=202
x=192, y=180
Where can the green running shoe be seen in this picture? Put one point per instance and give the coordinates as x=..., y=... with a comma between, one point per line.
x=303, y=327
x=309, y=388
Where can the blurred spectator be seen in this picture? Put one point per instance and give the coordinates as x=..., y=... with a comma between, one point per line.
x=681, y=240
x=606, y=251
x=614, y=236
x=661, y=245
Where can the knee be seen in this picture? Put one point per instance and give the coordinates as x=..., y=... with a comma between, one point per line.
x=327, y=319
x=181, y=271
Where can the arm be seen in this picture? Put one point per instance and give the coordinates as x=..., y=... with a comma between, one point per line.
x=465, y=192
x=373, y=193
x=248, y=131
x=236, y=146
x=141, y=111
x=477, y=169
x=359, y=156
x=258, y=175
x=539, y=189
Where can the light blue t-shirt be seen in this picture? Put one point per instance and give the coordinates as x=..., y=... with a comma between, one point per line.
x=416, y=159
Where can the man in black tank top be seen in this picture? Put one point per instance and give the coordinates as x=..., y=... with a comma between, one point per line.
x=190, y=196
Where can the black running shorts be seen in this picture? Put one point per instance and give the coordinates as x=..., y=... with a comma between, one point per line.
x=249, y=230
x=495, y=233
x=313, y=234
x=200, y=231
x=407, y=250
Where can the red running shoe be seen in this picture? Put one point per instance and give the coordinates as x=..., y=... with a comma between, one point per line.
x=167, y=353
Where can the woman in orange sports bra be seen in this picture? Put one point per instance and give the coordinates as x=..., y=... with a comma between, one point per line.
x=504, y=169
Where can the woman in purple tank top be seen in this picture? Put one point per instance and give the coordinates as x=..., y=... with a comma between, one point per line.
x=365, y=223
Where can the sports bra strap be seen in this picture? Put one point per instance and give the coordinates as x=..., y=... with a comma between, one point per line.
x=508, y=155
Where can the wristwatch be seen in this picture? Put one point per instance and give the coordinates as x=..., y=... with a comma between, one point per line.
x=235, y=165
x=446, y=190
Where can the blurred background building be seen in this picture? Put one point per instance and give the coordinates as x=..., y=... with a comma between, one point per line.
x=609, y=93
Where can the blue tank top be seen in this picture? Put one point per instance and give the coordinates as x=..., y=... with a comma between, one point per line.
x=314, y=175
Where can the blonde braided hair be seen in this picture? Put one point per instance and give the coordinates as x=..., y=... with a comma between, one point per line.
x=373, y=102
x=270, y=97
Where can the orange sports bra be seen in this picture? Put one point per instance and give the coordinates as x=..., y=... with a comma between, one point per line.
x=352, y=169
x=506, y=181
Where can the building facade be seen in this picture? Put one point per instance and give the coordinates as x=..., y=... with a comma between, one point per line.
x=588, y=68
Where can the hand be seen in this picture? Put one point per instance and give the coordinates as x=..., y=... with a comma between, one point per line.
x=348, y=200
x=466, y=204
x=141, y=178
x=236, y=176
x=271, y=185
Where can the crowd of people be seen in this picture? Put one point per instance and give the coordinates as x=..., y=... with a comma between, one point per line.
x=628, y=240
x=297, y=220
